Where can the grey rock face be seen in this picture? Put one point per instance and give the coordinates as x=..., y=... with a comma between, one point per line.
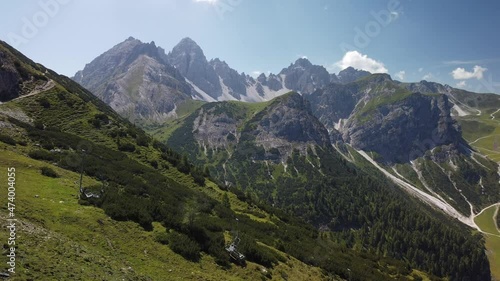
x=287, y=124
x=9, y=79
x=274, y=83
x=235, y=82
x=426, y=87
x=405, y=130
x=376, y=114
x=304, y=77
x=350, y=74
x=189, y=60
x=216, y=126
x=134, y=79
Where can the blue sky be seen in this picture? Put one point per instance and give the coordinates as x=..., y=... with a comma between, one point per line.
x=451, y=42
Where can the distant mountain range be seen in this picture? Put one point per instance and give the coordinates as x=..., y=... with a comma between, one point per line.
x=143, y=83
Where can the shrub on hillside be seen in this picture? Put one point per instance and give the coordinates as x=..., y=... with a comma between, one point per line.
x=162, y=237
x=126, y=146
x=7, y=139
x=184, y=246
x=41, y=155
x=48, y=172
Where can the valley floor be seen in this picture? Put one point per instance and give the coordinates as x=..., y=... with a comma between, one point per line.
x=486, y=221
x=483, y=134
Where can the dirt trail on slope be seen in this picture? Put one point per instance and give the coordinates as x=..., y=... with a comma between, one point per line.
x=493, y=114
x=39, y=89
x=495, y=216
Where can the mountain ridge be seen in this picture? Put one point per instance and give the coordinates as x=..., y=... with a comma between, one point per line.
x=215, y=80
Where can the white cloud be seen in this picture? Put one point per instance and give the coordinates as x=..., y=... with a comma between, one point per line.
x=462, y=84
x=421, y=69
x=400, y=75
x=206, y=1
x=475, y=62
x=359, y=61
x=462, y=74
x=395, y=15
x=255, y=73
x=427, y=76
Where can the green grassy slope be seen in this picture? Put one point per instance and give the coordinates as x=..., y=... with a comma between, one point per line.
x=59, y=239
x=486, y=221
x=483, y=133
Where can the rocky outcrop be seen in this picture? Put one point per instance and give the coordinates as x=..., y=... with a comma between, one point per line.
x=404, y=130
x=304, y=77
x=350, y=74
x=9, y=79
x=273, y=133
x=236, y=83
x=216, y=127
x=285, y=125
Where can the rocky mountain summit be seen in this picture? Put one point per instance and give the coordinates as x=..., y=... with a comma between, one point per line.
x=135, y=80
x=188, y=58
x=349, y=75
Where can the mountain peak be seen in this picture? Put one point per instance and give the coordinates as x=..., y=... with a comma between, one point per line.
x=351, y=69
x=189, y=47
x=188, y=44
x=187, y=40
x=350, y=74
x=303, y=62
x=293, y=100
x=217, y=61
x=191, y=62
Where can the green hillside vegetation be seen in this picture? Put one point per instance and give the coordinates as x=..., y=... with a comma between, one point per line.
x=395, y=94
x=60, y=239
x=483, y=133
